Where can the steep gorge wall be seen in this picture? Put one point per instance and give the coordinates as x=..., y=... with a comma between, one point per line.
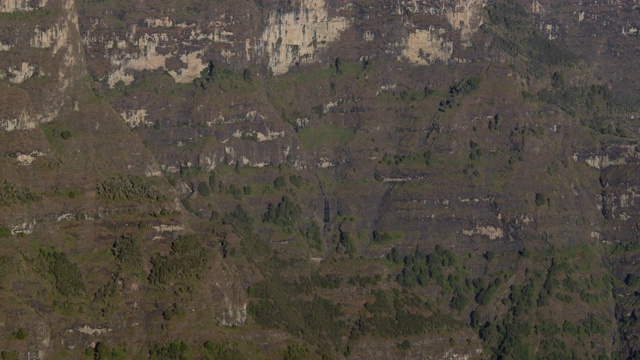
x=474, y=204
x=47, y=50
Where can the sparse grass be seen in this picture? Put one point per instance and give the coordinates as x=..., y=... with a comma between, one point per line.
x=30, y=15
x=10, y=194
x=324, y=136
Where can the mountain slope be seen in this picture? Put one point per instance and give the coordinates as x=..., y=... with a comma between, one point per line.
x=322, y=179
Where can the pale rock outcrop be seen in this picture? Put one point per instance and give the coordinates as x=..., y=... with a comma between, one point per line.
x=21, y=73
x=158, y=22
x=536, y=7
x=194, y=67
x=428, y=46
x=25, y=227
x=233, y=315
x=88, y=330
x=21, y=122
x=466, y=17
x=259, y=136
x=56, y=37
x=629, y=30
x=135, y=118
x=148, y=58
x=435, y=43
x=168, y=228
x=603, y=161
x=27, y=159
x=295, y=37
x=61, y=40
x=490, y=231
x=7, y=6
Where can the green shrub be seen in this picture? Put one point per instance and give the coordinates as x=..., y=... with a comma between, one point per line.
x=632, y=280
x=102, y=351
x=187, y=259
x=420, y=268
x=65, y=135
x=5, y=232
x=516, y=33
x=176, y=350
x=346, y=245
x=409, y=158
x=20, y=334
x=296, y=181
x=240, y=219
x=313, y=236
x=296, y=352
x=127, y=251
x=175, y=311
x=222, y=351
x=106, y=291
x=10, y=355
x=279, y=183
x=10, y=194
x=285, y=214
x=65, y=275
x=317, y=321
x=212, y=181
x=204, y=189
x=234, y=191
x=125, y=187
x=459, y=301
x=380, y=237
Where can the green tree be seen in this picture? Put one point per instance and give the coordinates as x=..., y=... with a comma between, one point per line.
x=21, y=333
x=212, y=181
x=285, y=214
x=296, y=352
x=127, y=251
x=204, y=189
x=176, y=350
x=279, y=183
x=10, y=355
x=66, y=135
x=101, y=351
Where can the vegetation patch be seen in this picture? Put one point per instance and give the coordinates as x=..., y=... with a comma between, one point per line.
x=325, y=136
x=65, y=275
x=10, y=194
x=601, y=108
x=176, y=350
x=285, y=214
x=292, y=306
x=458, y=91
x=390, y=316
x=5, y=232
x=514, y=31
x=102, y=351
x=313, y=236
x=127, y=251
x=128, y=188
x=187, y=259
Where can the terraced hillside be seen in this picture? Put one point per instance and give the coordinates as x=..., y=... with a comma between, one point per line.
x=318, y=179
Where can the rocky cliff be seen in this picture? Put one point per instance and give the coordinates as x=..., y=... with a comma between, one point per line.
x=321, y=179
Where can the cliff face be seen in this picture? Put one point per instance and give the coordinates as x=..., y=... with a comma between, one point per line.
x=45, y=50
x=386, y=179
